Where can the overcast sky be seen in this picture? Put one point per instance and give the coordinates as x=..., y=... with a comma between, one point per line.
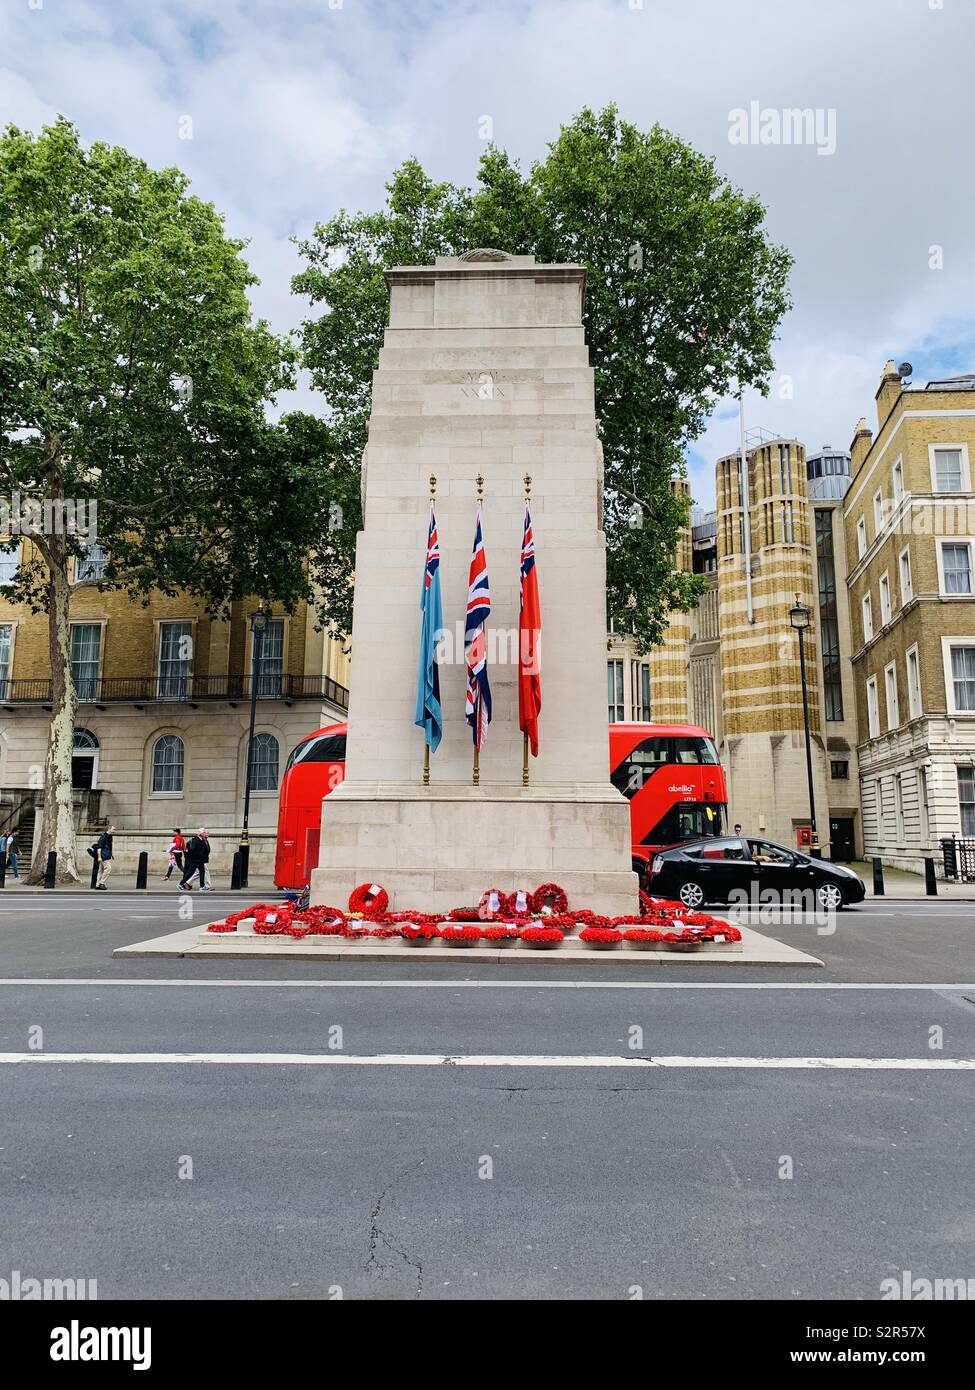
x=299, y=107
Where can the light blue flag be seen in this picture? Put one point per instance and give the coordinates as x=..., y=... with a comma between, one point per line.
x=429, y=716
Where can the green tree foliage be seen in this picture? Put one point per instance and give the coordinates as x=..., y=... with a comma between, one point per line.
x=132, y=377
x=684, y=295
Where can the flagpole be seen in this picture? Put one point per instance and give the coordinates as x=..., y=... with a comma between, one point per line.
x=524, y=754
x=426, y=736
x=476, y=772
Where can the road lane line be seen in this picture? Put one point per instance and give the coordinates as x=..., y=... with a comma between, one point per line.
x=436, y=1059
x=15, y=982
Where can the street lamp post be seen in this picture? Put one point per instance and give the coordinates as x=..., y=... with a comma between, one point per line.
x=799, y=618
x=259, y=621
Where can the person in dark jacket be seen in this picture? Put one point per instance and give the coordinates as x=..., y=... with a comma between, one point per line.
x=197, y=854
x=104, y=853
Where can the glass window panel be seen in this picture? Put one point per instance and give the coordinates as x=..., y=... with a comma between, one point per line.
x=167, y=764
x=264, y=763
x=86, y=642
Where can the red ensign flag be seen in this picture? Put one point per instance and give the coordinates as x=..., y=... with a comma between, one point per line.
x=529, y=642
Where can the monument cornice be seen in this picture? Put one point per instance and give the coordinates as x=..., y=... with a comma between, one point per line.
x=484, y=270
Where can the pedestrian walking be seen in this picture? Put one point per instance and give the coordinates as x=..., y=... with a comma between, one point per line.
x=105, y=854
x=177, y=848
x=196, y=856
x=10, y=845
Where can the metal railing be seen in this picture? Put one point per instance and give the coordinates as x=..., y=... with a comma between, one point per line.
x=179, y=689
x=959, y=858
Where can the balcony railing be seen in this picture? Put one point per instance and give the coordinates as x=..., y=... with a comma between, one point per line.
x=186, y=690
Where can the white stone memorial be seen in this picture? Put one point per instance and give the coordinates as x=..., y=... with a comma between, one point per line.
x=484, y=370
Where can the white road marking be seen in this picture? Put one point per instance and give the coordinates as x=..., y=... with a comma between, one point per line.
x=15, y=982
x=436, y=1059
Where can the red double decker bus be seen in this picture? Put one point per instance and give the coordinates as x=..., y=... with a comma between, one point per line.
x=669, y=773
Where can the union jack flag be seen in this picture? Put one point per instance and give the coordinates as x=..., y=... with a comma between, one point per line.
x=478, y=703
x=429, y=715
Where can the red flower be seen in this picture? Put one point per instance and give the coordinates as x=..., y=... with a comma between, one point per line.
x=499, y=933
x=485, y=911
x=460, y=933
x=411, y=933
x=468, y=914
x=642, y=934
x=369, y=898
x=222, y=926
x=550, y=896
x=606, y=934
x=542, y=934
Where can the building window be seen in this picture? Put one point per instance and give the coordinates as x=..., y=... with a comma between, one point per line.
x=861, y=538
x=867, y=618
x=913, y=684
x=899, y=807
x=614, y=674
x=873, y=709
x=6, y=650
x=839, y=770
x=167, y=765
x=86, y=645
x=884, y=599
x=175, y=659
x=961, y=671
x=271, y=665
x=785, y=471
x=881, y=806
x=907, y=581
x=922, y=795
x=949, y=469
x=828, y=617
x=788, y=525
x=966, y=800
x=890, y=690
x=956, y=567
x=640, y=690
x=90, y=565
x=264, y=763
x=878, y=512
x=898, y=482
x=9, y=561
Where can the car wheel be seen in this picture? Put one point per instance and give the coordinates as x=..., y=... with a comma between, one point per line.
x=829, y=897
x=691, y=894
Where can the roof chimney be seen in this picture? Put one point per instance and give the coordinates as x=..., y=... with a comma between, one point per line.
x=860, y=445
x=888, y=391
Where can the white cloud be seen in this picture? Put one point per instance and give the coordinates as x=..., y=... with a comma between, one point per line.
x=301, y=108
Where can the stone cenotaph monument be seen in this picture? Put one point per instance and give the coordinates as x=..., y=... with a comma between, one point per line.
x=484, y=371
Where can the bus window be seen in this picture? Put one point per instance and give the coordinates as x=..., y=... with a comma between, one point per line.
x=694, y=750
x=687, y=820
x=639, y=764
x=328, y=749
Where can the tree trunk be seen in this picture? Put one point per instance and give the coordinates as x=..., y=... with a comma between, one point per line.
x=58, y=830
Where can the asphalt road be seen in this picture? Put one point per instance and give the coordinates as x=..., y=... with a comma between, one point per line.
x=361, y=1161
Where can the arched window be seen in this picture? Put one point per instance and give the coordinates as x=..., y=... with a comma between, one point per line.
x=84, y=741
x=264, y=768
x=167, y=764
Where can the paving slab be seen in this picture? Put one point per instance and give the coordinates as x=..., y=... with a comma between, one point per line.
x=194, y=943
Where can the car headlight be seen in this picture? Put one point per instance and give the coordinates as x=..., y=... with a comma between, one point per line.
x=658, y=863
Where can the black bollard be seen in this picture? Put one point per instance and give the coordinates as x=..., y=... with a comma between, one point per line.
x=245, y=855
x=235, y=871
x=930, y=879
x=51, y=872
x=3, y=868
x=878, y=878
x=95, y=865
x=142, y=872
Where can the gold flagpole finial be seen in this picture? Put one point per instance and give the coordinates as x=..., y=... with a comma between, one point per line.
x=528, y=487
x=433, y=486
x=479, y=484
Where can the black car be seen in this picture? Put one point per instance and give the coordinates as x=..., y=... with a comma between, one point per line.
x=740, y=868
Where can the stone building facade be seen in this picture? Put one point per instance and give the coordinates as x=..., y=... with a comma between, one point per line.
x=910, y=534
x=164, y=705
